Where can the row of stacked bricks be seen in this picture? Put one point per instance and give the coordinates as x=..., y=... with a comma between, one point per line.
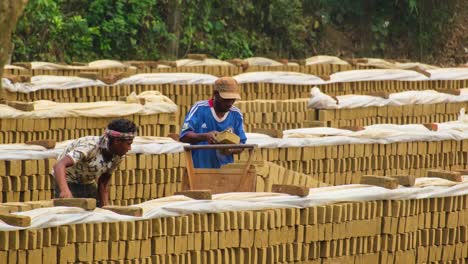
x=269, y=114
x=186, y=94
x=216, y=70
x=212, y=69
x=101, y=72
x=274, y=114
x=405, y=114
x=389, y=86
x=20, y=130
x=382, y=231
x=139, y=178
x=345, y=164
x=147, y=176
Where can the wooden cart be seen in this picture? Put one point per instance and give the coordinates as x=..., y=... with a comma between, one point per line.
x=222, y=180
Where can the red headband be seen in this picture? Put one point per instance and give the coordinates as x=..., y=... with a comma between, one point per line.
x=121, y=135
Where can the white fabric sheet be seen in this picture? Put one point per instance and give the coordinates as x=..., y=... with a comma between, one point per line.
x=179, y=205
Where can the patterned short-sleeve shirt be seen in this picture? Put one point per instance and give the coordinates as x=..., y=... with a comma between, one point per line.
x=89, y=163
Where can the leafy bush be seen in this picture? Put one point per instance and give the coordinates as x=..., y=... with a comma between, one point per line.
x=84, y=30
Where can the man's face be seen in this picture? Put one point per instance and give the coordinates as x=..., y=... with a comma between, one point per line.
x=222, y=105
x=120, y=147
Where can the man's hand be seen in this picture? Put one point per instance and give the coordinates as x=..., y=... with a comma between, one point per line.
x=66, y=193
x=211, y=137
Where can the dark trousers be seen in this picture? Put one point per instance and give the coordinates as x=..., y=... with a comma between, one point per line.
x=81, y=191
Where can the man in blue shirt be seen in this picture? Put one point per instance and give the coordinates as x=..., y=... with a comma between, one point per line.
x=206, y=118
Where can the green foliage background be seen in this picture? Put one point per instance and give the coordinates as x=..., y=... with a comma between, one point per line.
x=85, y=30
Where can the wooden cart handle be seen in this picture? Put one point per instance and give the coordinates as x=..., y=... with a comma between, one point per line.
x=221, y=146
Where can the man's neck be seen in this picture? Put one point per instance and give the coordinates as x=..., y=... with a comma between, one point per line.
x=218, y=113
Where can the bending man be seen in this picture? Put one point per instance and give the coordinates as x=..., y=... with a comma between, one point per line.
x=84, y=168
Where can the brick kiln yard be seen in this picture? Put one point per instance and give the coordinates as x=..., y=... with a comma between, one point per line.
x=381, y=148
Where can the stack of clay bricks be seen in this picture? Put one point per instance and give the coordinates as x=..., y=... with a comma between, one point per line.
x=274, y=114
x=389, y=86
x=77, y=95
x=75, y=70
x=144, y=177
x=26, y=180
x=426, y=230
x=16, y=71
x=216, y=70
x=20, y=130
x=405, y=114
x=187, y=94
x=315, y=69
x=345, y=164
x=147, y=176
x=170, y=66
x=139, y=178
x=269, y=173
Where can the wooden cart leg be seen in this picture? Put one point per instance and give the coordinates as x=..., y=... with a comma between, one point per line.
x=189, y=173
x=245, y=173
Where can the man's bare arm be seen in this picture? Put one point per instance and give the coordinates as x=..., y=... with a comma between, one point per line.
x=193, y=138
x=61, y=176
x=103, y=188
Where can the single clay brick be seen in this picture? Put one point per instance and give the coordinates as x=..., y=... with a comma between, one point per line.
x=194, y=56
x=88, y=204
x=16, y=220
x=47, y=143
x=22, y=106
x=384, y=95
x=125, y=210
x=89, y=75
x=405, y=180
x=196, y=194
x=385, y=182
x=448, y=175
x=353, y=128
x=449, y=91
x=290, y=189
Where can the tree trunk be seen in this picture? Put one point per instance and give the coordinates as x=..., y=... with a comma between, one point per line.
x=10, y=11
x=174, y=27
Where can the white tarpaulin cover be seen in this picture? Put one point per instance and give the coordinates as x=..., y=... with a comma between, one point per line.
x=377, y=75
x=322, y=59
x=181, y=205
x=261, y=61
x=99, y=64
x=103, y=64
x=42, y=82
x=176, y=78
x=381, y=63
x=205, y=62
x=64, y=82
x=320, y=100
x=449, y=74
x=279, y=77
x=155, y=103
x=317, y=136
x=13, y=67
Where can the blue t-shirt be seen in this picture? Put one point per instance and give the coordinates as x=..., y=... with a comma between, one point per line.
x=202, y=119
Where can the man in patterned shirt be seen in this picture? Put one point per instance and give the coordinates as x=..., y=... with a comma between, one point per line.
x=84, y=168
